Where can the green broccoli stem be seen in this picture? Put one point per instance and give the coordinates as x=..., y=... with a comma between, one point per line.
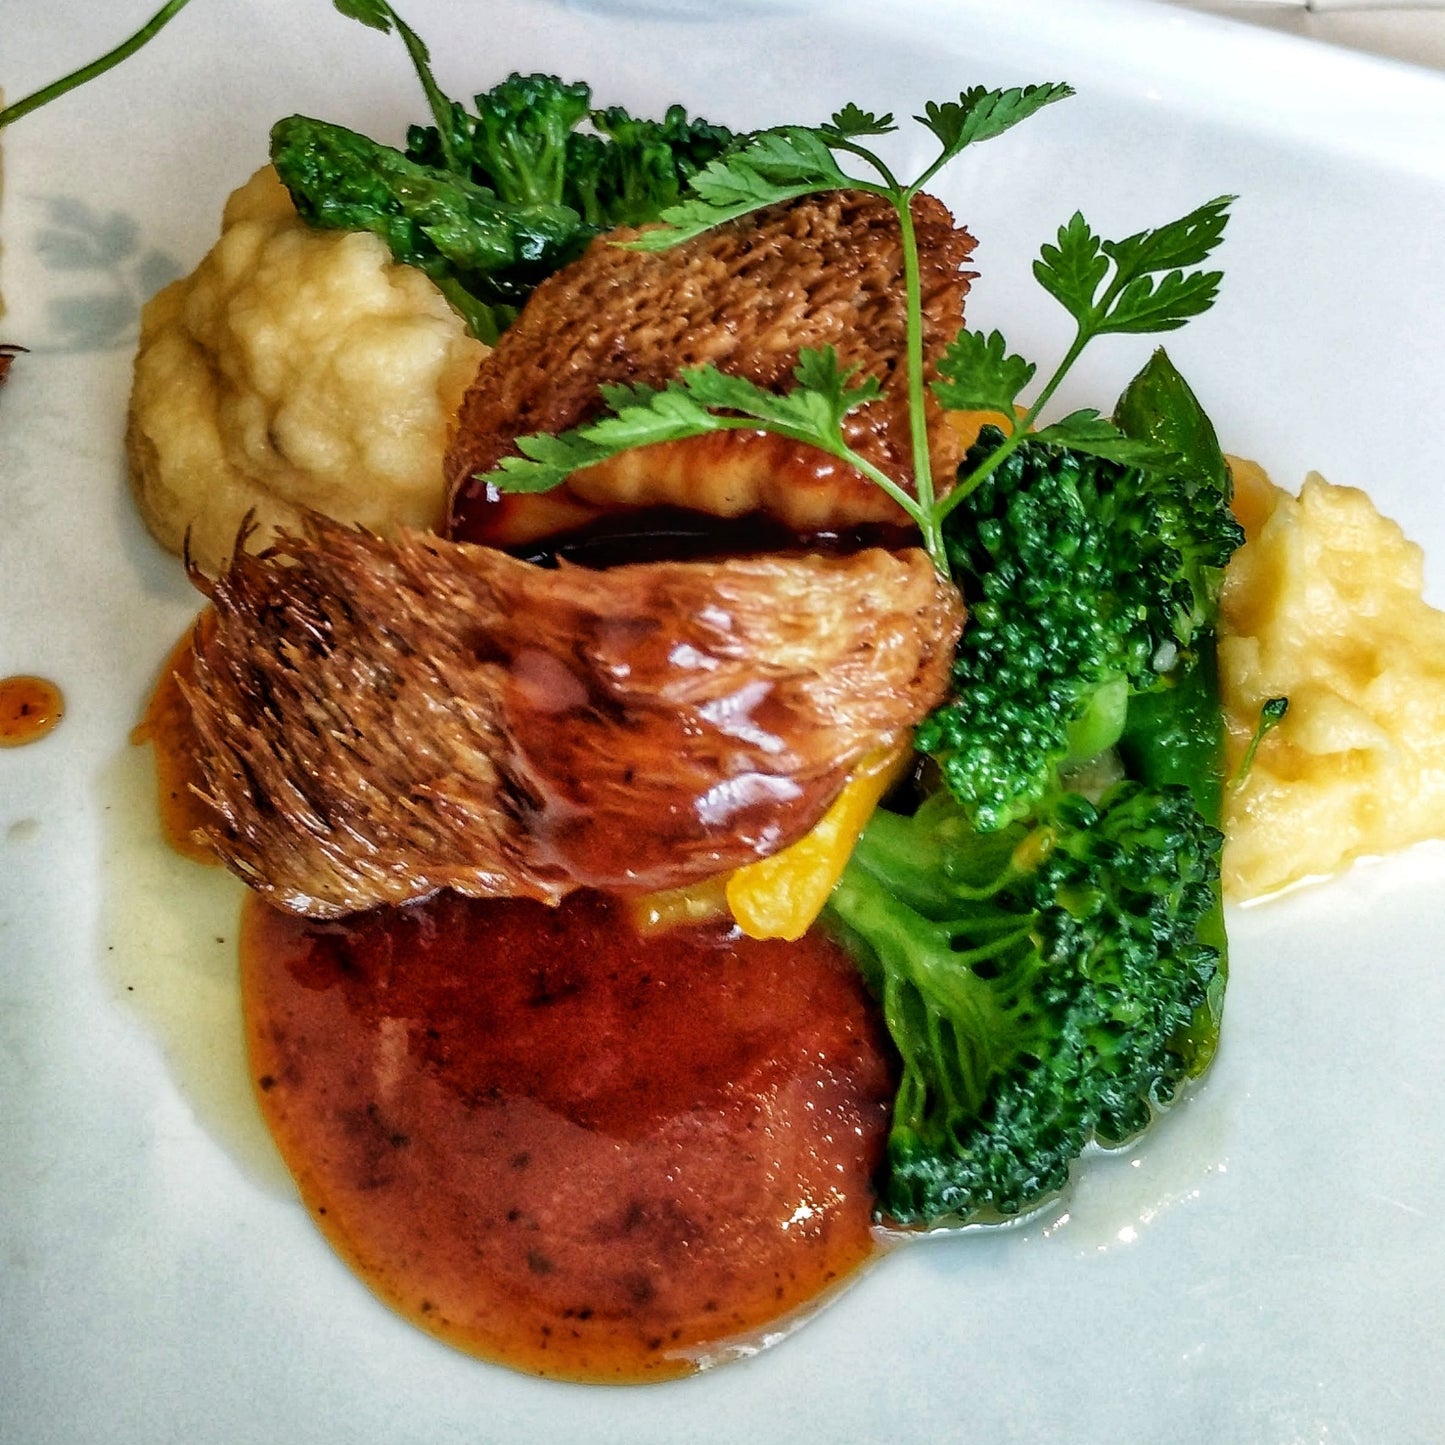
x=108, y=61
x=902, y=968
x=914, y=859
x=442, y=107
x=1101, y=724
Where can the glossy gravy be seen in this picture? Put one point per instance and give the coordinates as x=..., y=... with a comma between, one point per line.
x=562, y=1146
x=30, y=707
x=548, y=1139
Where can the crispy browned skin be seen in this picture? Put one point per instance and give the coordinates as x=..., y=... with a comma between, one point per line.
x=379, y=720
x=748, y=297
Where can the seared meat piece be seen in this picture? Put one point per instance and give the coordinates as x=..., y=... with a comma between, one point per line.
x=379, y=720
x=822, y=271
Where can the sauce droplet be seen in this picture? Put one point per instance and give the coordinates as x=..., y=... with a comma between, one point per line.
x=29, y=708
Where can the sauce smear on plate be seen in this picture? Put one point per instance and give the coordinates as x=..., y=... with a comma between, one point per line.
x=29, y=708
x=561, y=1145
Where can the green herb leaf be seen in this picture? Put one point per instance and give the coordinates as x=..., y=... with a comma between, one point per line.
x=697, y=401
x=1159, y=406
x=777, y=165
x=375, y=13
x=981, y=114
x=1086, y=431
x=1145, y=305
x=1185, y=242
x=979, y=374
x=1073, y=269
x=851, y=122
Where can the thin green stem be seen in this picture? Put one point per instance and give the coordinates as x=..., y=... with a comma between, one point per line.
x=929, y=519
x=108, y=61
x=890, y=181
x=436, y=99
x=993, y=948
x=933, y=170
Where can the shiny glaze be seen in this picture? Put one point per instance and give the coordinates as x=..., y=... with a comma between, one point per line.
x=724, y=475
x=30, y=707
x=167, y=727
x=562, y=1146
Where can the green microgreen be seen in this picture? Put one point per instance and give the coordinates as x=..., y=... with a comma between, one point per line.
x=1144, y=283
x=1271, y=714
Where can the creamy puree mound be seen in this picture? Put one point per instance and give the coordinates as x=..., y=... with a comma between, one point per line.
x=1323, y=605
x=294, y=369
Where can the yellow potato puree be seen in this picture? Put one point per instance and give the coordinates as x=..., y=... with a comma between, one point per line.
x=294, y=369
x=1323, y=605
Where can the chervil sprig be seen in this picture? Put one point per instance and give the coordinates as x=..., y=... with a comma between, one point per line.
x=1142, y=283
x=1138, y=284
x=447, y=114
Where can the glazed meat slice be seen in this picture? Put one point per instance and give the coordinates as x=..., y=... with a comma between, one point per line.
x=379, y=720
x=748, y=297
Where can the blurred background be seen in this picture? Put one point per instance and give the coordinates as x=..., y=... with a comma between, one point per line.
x=1410, y=32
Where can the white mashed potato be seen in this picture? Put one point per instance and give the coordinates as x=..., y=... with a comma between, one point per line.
x=293, y=369
x=1323, y=605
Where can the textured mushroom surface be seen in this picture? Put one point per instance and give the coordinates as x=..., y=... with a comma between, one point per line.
x=748, y=297
x=382, y=719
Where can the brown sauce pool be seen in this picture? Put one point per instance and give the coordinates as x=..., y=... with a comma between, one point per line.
x=30, y=707
x=565, y=1147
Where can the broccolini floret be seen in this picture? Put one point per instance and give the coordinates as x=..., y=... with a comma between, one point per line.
x=1087, y=582
x=487, y=255
x=510, y=194
x=1045, y=984
x=525, y=143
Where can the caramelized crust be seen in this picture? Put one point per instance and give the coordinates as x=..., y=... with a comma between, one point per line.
x=822, y=271
x=379, y=720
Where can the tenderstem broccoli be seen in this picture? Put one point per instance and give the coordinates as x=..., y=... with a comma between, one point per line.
x=1046, y=985
x=1051, y=966
x=489, y=203
x=1088, y=583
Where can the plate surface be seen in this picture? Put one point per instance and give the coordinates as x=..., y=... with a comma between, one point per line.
x=1267, y=1268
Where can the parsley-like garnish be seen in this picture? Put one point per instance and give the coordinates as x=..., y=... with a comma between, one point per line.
x=1140, y=284
x=1271, y=714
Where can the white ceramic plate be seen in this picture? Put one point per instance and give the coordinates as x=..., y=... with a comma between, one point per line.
x=1268, y=1268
